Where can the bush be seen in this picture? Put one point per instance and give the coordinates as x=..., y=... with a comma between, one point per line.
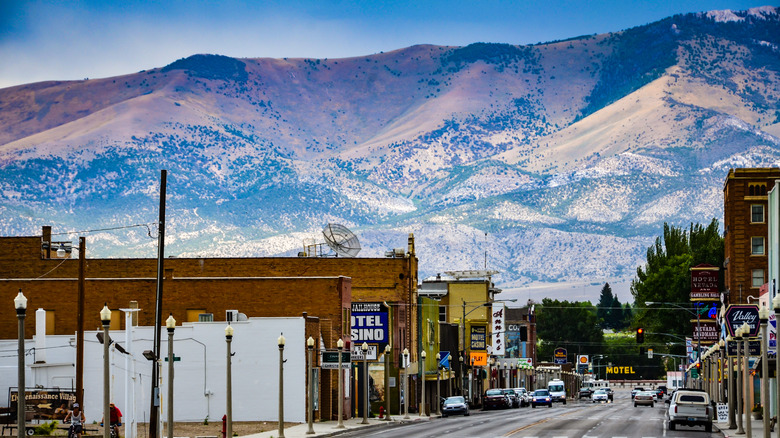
x=46, y=428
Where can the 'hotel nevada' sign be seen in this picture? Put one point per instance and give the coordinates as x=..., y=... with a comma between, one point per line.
x=704, y=283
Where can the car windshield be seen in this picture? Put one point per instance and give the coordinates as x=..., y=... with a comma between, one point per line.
x=600, y=391
x=494, y=392
x=556, y=388
x=455, y=400
x=541, y=393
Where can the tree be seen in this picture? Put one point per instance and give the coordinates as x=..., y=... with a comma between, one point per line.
x=616, y=320
x=666, y=277
x=605, y=305
x=571, y=325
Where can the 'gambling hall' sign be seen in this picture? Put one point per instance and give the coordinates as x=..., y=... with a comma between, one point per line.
x=704, y=283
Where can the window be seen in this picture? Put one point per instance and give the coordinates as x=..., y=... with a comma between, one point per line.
x=757, y=279
x=757, y=213
x=757, y=246
x=443, y=313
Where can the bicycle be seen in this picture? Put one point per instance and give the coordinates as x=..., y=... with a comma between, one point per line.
x=72, y=431
x=114, y=430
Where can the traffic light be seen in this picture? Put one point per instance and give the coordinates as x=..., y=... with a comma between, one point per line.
x=640, y=335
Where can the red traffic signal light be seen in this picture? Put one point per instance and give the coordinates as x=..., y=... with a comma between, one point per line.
x=640, y=335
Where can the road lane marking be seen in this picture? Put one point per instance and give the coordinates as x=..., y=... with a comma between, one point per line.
x=544, y=420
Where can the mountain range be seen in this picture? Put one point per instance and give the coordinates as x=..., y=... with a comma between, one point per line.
x=555, y=164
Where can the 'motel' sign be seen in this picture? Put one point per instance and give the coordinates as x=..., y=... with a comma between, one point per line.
x=738, y=314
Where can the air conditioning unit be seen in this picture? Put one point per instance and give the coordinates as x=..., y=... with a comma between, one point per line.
x=205, y=317
x=231, y=315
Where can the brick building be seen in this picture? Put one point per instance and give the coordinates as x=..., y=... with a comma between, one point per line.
x=745, y=231
x=322, y=288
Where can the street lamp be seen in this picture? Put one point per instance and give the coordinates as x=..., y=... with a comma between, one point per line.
x=449, y=375
x=763, y=318
x=105, y=318
x=776, y=306
x=310, y=415
x=364, y=347
x=698, y=323
x=20, y=303
x=280, y=342
x=740, y=401
x=340, y=347
x=746, y=377
x=406, y=383
x=229, y=382
x=422, y=383
x=170, y=324
x=388, y=351
x=438, y=383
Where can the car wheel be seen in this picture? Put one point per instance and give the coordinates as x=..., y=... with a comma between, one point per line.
x=652, y=405
x=635, y=405
x=443, y=415
x=550, y=405
x=564, y=402
x=533, y=406
x=466, y=414
x=708, y=427
x=671, y=425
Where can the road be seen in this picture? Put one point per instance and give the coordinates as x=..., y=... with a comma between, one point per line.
x=576, y=419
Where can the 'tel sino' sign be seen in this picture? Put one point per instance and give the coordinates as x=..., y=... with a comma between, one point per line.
x=369, y=324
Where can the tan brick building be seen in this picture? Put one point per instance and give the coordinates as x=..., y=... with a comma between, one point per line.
x=322, y=288
x=745, y=231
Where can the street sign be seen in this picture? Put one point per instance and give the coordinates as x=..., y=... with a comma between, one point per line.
x=649, y=353
x=738, y=314
x=330, y=360
x=175, y=358
x=444, y=361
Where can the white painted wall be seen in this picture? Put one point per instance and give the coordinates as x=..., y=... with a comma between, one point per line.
x=199, y=378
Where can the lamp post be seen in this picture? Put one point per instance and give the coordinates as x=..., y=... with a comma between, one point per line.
x=170, y=324
x=733, y=384
x=340, y=347
x=776, y=306
x=229, y=383
x=280, y=342
x=364, y=347
x=20, y=303
x=310, y=409
x=740, y=399
x=746, y=378
x=449, y=375
x=422, y=382
x=406, y=383
x=388, y=352
x=438, y=383
x=763, y=318
x=105, y=318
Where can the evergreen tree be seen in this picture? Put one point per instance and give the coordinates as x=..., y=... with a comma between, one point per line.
x=616, y=314
x=603, y=309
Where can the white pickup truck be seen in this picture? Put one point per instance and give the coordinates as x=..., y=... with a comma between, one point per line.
x=690, y=408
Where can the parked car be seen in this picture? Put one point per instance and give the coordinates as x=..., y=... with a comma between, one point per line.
x=610, y=393
x=524, y=396
x=664, y=389
x=645, y=398
x=541, y=397
x=496, y=399
x=455, y=405
x=600, y=396
x=690, y=408
x=585, y=392
x=512, y=397
x=635, y=390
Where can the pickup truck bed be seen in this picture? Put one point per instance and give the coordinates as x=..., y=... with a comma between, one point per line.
x=690, y=408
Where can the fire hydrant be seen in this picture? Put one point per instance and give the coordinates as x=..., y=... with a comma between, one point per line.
x=224, y=426
x=381, y=412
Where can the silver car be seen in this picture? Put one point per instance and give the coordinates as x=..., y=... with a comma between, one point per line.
x=600, y=396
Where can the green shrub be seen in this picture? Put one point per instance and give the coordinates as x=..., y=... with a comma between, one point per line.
x=46, y=428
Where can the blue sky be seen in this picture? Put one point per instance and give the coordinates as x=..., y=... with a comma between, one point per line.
x=55, y=40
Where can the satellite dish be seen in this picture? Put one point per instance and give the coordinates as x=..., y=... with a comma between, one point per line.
x=341, y=240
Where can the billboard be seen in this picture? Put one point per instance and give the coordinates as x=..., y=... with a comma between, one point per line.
x=498, y=325
x=704, y=283
x=478, y=337
x=44, y=404
x=370, y=324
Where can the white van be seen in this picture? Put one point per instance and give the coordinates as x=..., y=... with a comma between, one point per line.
x=557, y=390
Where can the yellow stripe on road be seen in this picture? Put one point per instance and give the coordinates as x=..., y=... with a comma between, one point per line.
x=510, y=433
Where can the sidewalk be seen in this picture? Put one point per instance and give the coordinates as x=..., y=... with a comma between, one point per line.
x=756, y=425
x=328, y=428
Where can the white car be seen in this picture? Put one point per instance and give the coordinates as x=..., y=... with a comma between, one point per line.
x=600, y=396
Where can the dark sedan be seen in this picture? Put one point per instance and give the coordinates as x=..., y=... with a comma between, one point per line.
x=496, y=399
x=541, y=397
x=455, y=406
